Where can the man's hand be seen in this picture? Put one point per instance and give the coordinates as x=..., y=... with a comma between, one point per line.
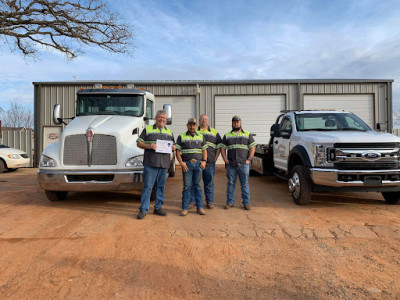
x=247, y=162
x=226, y=161
x=173, y=148
x=184, y=167
x=153, y=146
x=203, y=165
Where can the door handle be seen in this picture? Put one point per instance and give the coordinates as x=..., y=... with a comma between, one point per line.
x=276, y=142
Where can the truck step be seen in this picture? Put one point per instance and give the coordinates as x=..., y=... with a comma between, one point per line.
x=281, y=176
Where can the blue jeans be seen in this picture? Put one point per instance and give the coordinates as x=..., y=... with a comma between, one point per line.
x=153, y=177
x=208, y=180
x=192, y=179
x=232, y=174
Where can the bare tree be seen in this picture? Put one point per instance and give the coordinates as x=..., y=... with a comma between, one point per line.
x=62, y=26
x=396, y=118
x=16, y=116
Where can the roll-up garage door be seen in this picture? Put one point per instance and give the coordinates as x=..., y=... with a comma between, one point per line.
x=361, y=104
x=258, y=113
x=183, y=108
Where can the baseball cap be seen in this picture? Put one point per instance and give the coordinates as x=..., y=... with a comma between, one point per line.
x=192, y=121
x=236, y=118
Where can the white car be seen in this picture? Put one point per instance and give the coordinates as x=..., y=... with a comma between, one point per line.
x=12, y=159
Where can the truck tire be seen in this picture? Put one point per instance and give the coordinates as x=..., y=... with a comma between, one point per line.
x=391, y=197
x=172, y=169
x=56, y=196
x=300, y=185
x=2, y=166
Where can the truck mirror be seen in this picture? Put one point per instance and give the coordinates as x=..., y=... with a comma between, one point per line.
x=275, y=130
x=168, y=110
x=381, y=126
x=57, y=119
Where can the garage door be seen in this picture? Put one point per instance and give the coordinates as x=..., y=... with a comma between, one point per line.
x=258, y=113
x=361, y=104
x=183, y=108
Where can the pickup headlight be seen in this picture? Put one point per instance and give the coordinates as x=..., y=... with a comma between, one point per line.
x=320, y=154
x=46, y=161
x=136, y=162
x=13, y=156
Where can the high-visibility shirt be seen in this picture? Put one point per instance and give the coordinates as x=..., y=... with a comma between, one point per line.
x=213, y=140
x=238, y=146
x=150, y=135
x=191, y=146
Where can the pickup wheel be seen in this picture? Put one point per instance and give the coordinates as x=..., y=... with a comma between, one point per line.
x=56, y=196
x=171, y=170
x=2, y=166
x=391, y=197
x=300, y=185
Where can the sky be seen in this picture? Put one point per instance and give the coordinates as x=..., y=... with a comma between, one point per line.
x=223, y=40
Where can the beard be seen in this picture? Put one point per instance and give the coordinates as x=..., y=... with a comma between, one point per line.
x=235, y=128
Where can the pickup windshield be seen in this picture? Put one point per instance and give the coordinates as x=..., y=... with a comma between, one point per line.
x=330, y=122
x=97, y=104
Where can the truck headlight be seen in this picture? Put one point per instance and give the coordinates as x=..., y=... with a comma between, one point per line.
x=136, y=161
x=46, y=161
x=320, y=154
x=13, y=156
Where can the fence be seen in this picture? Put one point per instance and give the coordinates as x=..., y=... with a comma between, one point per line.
x=396, y=131
x=22, y=139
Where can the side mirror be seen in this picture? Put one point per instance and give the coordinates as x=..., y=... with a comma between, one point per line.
x=381, y=126
x=275, y=130
x=57, y=119
x=168, y=110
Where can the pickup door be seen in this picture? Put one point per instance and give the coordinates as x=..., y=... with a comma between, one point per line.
x=281, y=144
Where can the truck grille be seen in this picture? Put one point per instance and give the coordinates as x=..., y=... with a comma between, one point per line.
x=349, y=156
x=366, y=165
x=104, y=150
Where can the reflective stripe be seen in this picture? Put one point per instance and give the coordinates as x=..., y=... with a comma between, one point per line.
x=183, y=151
x=252, y=145
x=140, y=140
x=177, y=146
x=238, y=146
x=211, y=145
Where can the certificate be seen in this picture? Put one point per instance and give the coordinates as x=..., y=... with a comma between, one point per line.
x=164, y=146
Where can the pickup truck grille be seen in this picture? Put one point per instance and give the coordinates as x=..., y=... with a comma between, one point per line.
x=352, y=156
x=366, y=165
x=104, y=150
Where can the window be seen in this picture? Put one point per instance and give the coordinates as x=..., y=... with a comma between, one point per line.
x=149, y=109
x=286, y=127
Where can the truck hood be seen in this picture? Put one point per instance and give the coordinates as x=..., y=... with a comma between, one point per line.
x=102, y=124
x=348, y=137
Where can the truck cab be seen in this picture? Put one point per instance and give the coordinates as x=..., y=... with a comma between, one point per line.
x=97, y=150
x=332, y=151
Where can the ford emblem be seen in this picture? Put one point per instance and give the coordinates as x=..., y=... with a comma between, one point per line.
x=370, y=155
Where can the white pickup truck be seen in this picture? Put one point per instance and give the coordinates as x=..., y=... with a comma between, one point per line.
x=330, y=151
x=97, y=150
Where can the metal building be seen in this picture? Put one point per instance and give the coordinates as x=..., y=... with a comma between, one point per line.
x=258, y=102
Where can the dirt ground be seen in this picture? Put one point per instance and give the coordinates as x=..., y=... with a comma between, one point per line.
x=91, y=246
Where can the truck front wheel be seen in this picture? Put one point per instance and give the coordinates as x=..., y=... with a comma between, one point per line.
x=300, y=185
x=56, y=196
x=391, y=197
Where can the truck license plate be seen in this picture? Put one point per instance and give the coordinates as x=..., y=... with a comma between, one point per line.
x=373, y=180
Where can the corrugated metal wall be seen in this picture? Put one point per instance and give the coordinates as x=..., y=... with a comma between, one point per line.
x=20, y=139
x=64, y=93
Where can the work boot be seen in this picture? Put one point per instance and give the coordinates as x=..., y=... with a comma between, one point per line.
x=210, y=205
x=160, y=212
x=228, y=206
x=184, y=213
x=141, y=214
x=247, y=207
x=201, y=211
x=192, y=205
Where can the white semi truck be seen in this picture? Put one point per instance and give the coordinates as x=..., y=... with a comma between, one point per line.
x=97, y=150
x=319, y=151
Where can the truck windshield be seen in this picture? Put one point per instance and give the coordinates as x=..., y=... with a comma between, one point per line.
x=125, y=105
x=330, y=122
